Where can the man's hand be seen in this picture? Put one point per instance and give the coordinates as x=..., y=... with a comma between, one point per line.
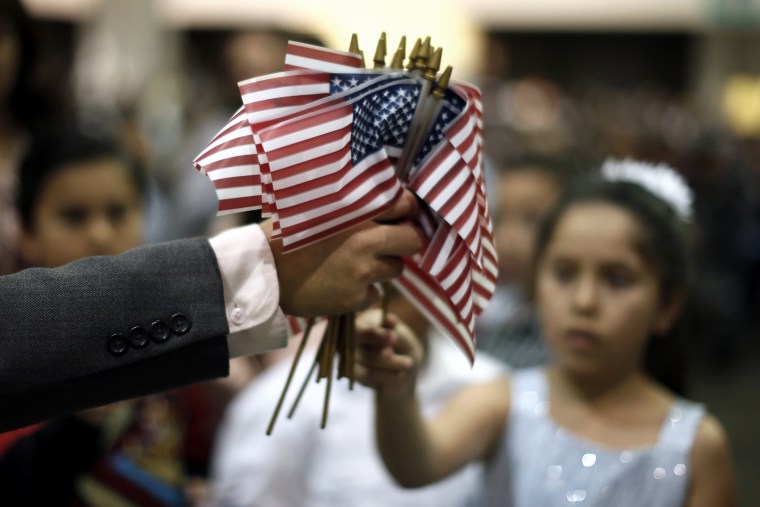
x=337, y=275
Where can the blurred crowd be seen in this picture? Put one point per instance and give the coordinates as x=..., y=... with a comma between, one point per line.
x=159, y=450
x=583, y=124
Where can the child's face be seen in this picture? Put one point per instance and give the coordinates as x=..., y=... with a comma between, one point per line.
x=525, y=197
x=84, y=209
x=598, y=300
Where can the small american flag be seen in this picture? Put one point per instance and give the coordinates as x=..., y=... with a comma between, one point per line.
x=234, y=148
x=236, y=140
x=331, y=168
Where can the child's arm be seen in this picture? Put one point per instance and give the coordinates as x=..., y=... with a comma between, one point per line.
x=712, y=478
x=415, y=451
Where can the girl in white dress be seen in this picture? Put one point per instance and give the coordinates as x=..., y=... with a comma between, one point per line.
x=594, y=427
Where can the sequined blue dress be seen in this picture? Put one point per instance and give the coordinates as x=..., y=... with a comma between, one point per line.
x=541, y=464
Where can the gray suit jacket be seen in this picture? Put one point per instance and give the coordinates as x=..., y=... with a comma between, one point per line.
x=104, y=329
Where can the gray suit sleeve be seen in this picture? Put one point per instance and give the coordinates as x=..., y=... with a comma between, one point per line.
x=104, y=329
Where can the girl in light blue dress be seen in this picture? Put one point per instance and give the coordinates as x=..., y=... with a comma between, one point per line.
x=596, y=427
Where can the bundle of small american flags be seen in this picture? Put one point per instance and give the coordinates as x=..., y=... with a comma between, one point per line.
x=328, y=144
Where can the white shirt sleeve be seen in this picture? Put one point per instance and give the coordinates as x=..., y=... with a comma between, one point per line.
x=251, y=291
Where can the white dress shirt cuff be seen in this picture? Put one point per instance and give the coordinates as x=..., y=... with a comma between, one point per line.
x=251, y=291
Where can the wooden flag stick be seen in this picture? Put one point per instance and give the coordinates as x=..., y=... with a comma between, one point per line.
x=327, y=398
x=342, y=347
x=332, y=346
x=351, y=341
x=302, y=390
x=305, y=383
x=427, y=118
x=347, y=346
x=293, y=366
x=427, y=63
x=324, y=357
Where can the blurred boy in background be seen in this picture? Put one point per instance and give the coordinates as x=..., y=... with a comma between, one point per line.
x=81, y=195
x=526, y=190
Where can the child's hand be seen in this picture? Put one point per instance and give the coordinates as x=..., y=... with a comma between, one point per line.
x=388, y=355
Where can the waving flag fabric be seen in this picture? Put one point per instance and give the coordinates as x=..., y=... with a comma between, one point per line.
x=236, y=139
x=231, y=162
x=315, y=148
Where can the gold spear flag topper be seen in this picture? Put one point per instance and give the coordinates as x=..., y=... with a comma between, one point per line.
x=399, y=55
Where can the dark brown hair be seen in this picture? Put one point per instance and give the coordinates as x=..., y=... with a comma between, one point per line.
x=51, y=150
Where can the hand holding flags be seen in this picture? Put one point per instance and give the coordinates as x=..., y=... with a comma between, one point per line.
x=326, y=145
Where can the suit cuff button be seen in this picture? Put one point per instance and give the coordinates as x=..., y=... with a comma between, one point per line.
x=179, y=323
x=159, y=331
x=118, y=344
x=138, y=337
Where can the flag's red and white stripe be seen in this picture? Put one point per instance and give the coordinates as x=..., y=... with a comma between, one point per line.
x=428, y=296
x=274, y=95
x=448, y=260
x=451, y=181
x=445, y=183
x=318, y=190
x=470, y=147
x=308, y=56
x=229, y=159
x=231, y=162
x=468, y=140
x=474, y=156
x=484, y=282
